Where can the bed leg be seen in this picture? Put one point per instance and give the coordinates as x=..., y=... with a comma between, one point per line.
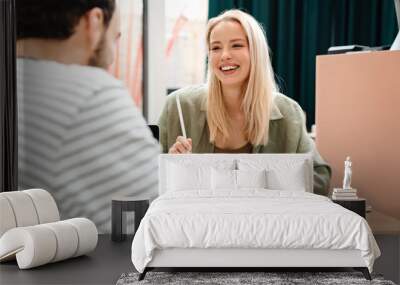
x=364, y=271
x=143, y=274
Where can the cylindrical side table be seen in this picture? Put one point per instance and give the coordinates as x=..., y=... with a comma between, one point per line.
x=120, y=205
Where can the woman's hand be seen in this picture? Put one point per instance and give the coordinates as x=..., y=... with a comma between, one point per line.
x=182, y=145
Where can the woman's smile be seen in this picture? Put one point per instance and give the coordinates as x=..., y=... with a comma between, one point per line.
x=229, y=69
x=229, y=54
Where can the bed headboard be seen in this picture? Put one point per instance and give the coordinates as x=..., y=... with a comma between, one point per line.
x=272, y=161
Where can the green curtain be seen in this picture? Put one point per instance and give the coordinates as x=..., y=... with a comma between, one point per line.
x=299, y=30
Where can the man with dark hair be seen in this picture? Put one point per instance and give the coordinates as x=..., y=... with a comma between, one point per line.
x=79, y=30
x=56, y=19
x=80, y=135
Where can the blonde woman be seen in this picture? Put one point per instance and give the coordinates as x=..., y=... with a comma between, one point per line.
x=239, y=110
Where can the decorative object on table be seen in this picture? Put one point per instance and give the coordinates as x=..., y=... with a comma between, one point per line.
x=244, y=278
x=119, y=207
x=344, y=194
x=347, y=192
x=31, y=231
x=347, y=174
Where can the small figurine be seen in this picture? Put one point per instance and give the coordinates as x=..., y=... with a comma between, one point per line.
x=347, y=174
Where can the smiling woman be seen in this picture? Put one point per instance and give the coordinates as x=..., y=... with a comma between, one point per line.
x=239, y=100
x=229, y=54
x=239, y=109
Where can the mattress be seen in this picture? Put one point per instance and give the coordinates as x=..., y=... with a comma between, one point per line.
x=250, y=219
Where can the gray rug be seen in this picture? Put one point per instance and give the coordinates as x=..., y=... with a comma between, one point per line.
x=243, y=278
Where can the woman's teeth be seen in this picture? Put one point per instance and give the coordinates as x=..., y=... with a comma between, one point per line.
x=227, y=68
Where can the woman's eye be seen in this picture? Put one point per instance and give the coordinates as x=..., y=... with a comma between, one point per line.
x=237, y=46
x=215, y=48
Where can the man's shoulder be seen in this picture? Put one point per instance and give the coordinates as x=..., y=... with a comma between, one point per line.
x=84, y=77
x=97, y=77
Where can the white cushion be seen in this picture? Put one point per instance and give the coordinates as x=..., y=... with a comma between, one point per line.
x=251, y=178
x=168, y=178
x=227, y=179
x=223, y=179
x=45, y=205
x=290, y=180
x=173, y=168
x=67, y=237
x=280, y=174
x=31, y=246
x=185, y=177
x=40, y=244
x=23, y=208
x=26, y=208
x=7, y=218
x=87, y=233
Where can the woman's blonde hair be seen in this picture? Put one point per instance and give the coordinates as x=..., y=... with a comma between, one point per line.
x=257, y=94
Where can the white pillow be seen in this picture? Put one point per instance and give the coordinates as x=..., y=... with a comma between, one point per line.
x=280, y=174
x=251, y=178
x=188, y=177
x=223, y=179
x=292, y=179
x=237, y=179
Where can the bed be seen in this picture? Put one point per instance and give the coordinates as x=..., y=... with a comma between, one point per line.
x=245, y=211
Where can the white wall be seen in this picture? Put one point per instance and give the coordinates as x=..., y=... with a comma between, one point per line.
x=156, y=73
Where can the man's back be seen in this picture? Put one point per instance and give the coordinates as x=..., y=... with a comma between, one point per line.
x=82, y=138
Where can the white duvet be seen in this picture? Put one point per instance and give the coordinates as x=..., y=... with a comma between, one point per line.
x=253, y=218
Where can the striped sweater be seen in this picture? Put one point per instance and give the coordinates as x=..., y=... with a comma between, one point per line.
x=81, y=137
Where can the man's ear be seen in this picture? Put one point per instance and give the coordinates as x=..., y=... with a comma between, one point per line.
x=94, y=26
